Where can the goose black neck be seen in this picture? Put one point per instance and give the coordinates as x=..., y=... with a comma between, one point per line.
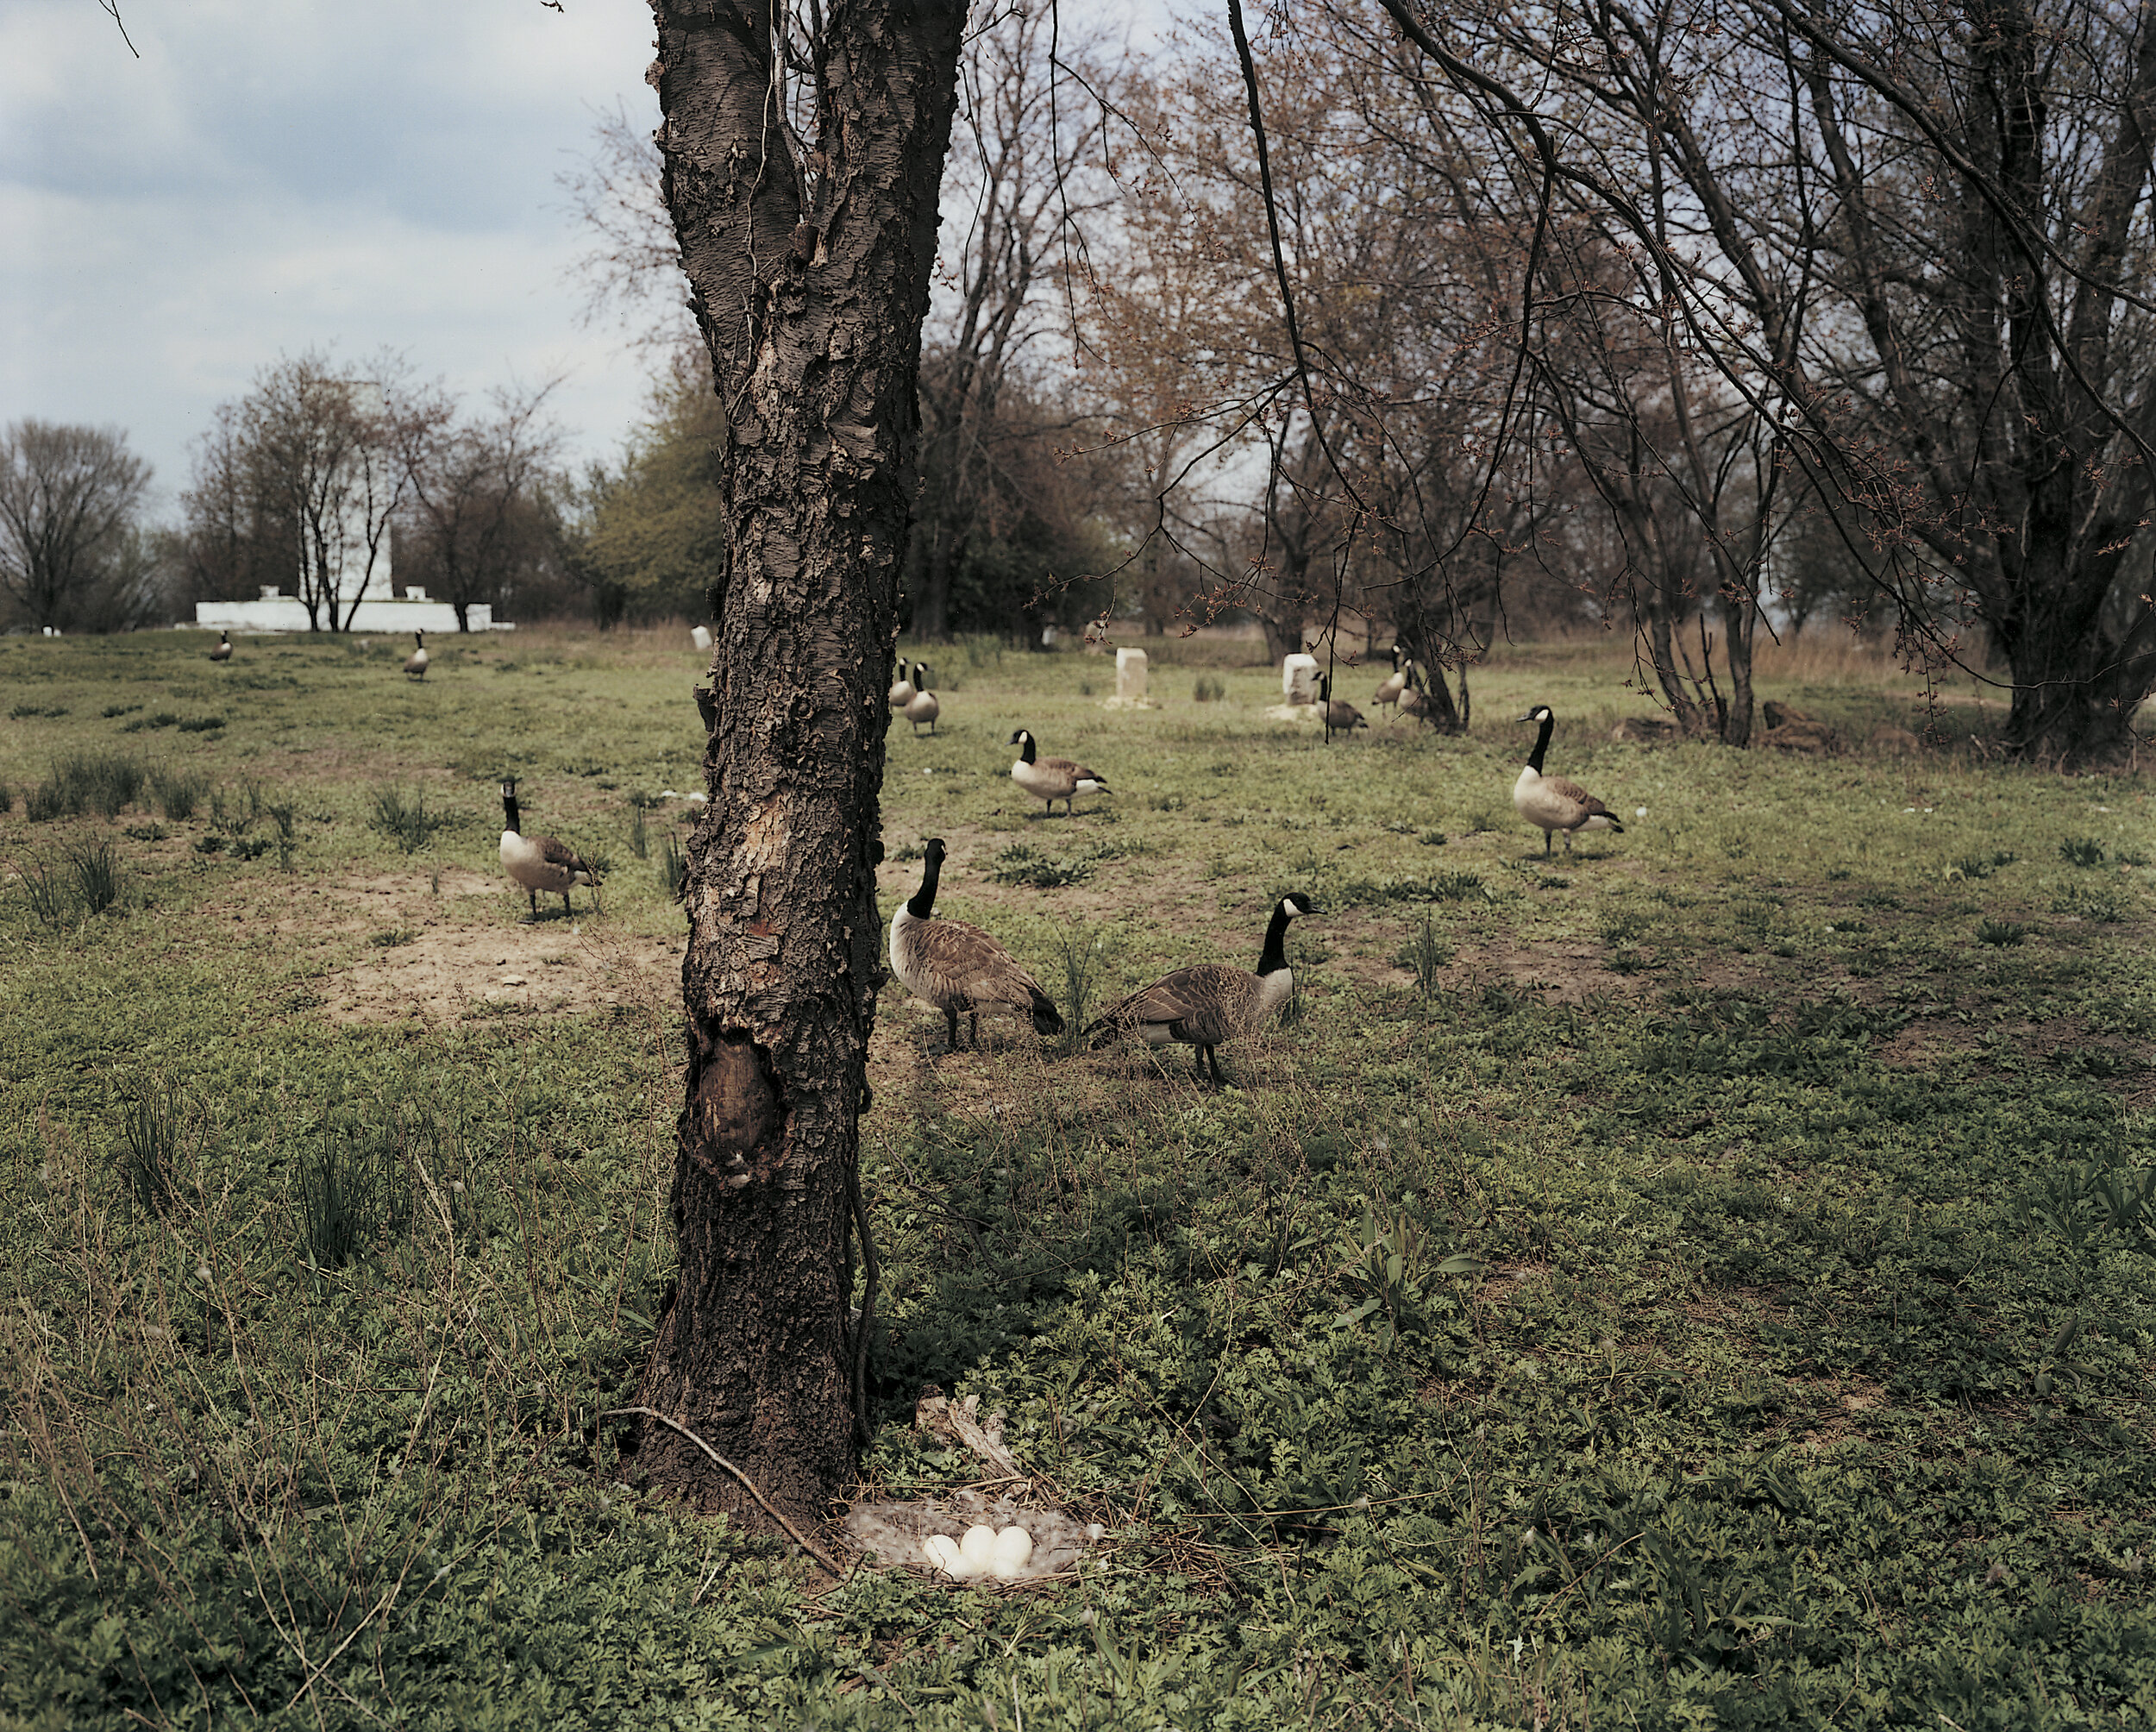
x=923, y=905
x=1025, y=748
x=509, y=813
x=1542, y=744
x=1273, y=958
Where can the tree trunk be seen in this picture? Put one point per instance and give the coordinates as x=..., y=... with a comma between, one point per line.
x=811, y=300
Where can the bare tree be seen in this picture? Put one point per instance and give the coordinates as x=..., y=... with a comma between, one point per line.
x=68, y=497
x=803, y=155
x=473, y=489
x=300, y=481
x=1012, y=190
x=1914, y=242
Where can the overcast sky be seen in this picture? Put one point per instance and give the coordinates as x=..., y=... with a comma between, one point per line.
x=277, y=175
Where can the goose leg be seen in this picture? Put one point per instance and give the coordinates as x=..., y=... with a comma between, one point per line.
x=534, y=896
x=973, y=1027
x=951, y=1031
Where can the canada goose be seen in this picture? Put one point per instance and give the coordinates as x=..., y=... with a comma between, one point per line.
x=224, y=651
x=922, y=705
x=958, y=966
x=901, y=691
x=1395, y=683
x=1549, y=802
x=416, y=663
x=1211, y=1003
x=1052, y=779
x=1340, y=716
x=701, y=636
x=539, y=862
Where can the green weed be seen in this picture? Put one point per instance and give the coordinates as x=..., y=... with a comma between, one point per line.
x=101, y=782
x=1426, y=956
x=147, y=1154
x=405, y=820
x=2082, y=851
x=2003, y=934
x=95, y=865
x=177, y=792
x=639, y=832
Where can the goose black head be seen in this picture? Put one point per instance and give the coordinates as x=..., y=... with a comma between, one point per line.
x=1541, y=713
x=932, y=851
x=1295, y=902
x=1018, y=737
x=509, y=788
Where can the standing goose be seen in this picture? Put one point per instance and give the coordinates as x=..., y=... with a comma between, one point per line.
x=539, y=862
x=901, y=691
x=1340, y=716
x=1052, y=779
x=416, y=663
x=1388, y=693
x=922, y=705
x=1552, y=803
x=224, y=651
x=956, y=967
x=1211, y=1003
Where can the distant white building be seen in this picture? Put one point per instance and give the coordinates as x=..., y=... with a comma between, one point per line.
x=411, y=611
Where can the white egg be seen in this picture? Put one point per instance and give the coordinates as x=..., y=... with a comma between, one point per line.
x=941, y=1550
x=1013, y=1551
x=977, y=1550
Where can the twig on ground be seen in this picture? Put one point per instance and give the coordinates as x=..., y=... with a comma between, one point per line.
x=755, y=1491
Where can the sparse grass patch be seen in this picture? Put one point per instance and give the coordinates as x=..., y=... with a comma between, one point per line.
x=100, y=782
x=177, y=792
x=2082, y=851
x=2003, y=933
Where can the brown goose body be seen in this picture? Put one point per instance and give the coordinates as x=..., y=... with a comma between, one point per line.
x=540, y=863
x=959, y=968
x=416, y=663
x=224, y=651
x=1208, y=1004
x=1554, y=803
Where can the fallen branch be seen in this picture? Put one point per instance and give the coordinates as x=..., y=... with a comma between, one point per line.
x=755, y=1491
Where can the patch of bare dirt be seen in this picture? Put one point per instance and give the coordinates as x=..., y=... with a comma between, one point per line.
x=440, y=958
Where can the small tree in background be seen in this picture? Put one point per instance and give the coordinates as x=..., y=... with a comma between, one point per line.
x=68, y=500
x=474, y=515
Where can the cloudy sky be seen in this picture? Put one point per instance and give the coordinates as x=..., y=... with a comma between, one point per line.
x=270, y=178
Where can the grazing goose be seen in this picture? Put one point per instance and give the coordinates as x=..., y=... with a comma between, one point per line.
x=1340, y=716
x=922, y=705
x=958, y=966
x=1388, y=693
x=539, y=862
x=901, y=691
x=1052, y=779
x=1549, y=802
x=416, y=663
x=1213, y=1003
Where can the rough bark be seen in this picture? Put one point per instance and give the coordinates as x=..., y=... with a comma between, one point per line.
x=811, y=278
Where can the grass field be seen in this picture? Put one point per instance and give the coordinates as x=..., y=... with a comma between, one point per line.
x=1790, y=1154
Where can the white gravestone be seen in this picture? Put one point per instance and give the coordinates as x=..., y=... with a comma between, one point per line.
x=1129, y=676
x=1298, y=678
